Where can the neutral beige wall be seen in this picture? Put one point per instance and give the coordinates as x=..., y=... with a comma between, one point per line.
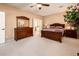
x=10, y=14
x=54, y=18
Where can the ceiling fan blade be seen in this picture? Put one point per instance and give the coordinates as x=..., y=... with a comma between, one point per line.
x=31, y=6
x=43, y=4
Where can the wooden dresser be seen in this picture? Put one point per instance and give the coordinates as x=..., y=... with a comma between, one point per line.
x=22, y=32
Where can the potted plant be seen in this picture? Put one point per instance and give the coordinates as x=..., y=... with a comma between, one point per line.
x=72, y=14
x=72, y=17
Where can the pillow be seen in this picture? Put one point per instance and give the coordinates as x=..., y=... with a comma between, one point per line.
x=58, y=27
x=52, y=26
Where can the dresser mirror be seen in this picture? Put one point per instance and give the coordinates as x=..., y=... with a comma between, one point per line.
x=22, y=30
x=22, y=21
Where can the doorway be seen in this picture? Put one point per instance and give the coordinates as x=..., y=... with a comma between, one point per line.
x=2, y=27
x=37, y=27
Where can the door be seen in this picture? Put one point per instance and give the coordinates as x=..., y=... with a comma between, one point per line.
x=37, y=26
x=2, y=27
x=34, y=26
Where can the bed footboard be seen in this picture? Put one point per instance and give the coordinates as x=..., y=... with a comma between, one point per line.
x=57, y=36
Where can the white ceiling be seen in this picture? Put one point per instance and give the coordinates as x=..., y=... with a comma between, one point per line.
x=53, y=8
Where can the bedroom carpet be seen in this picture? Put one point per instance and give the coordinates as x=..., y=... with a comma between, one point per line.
x=37, y=46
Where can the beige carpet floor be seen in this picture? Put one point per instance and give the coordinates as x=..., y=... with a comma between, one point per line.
x=37, y=46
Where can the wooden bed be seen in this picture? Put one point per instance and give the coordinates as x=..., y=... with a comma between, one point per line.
x=53, y=35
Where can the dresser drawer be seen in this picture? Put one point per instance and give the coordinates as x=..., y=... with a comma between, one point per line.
x=23, y=32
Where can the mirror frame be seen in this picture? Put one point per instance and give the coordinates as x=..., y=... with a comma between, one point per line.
x=23, y=18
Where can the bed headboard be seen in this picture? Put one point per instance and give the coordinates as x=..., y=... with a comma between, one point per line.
x=58, y=24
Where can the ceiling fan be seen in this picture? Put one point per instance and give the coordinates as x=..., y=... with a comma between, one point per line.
x=39, y=5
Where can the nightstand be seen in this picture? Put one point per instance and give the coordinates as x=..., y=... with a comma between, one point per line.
x=70, y=33
x=77, y=34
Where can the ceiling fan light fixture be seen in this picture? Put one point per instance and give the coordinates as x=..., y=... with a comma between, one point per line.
x=39, y=5
x=39, y=8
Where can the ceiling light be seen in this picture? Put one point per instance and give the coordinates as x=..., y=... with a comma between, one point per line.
x=39, y=5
